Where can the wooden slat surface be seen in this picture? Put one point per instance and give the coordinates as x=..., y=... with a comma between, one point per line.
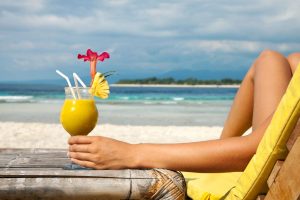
x=39, y=174
x=260, y=197
x=50, y=163
x=33, y=158
x=287, y=184
x=274, y=172
x=295, y=134
x=71, y=188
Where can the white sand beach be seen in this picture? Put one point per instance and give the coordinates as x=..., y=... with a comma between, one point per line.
x=36, y=125
x=46, y=135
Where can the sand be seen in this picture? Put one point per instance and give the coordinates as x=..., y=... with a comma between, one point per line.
x=51, y=135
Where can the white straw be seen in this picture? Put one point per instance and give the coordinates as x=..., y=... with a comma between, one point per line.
x=68, y=81
x=80, y=81
x=76, y=86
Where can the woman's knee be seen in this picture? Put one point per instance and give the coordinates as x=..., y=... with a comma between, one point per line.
x=265, y=62
x=294, y=60
x=269, y=54
x=271, y=60
x=265, y=54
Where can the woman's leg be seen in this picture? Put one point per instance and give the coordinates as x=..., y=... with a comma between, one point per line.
x=259, y=93
x=294, y=60
x=271, y=78
x=240, y=115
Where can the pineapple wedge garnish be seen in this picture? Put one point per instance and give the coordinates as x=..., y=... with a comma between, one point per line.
x=100, y=87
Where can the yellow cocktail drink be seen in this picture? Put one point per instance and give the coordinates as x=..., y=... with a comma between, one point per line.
x=79, y=116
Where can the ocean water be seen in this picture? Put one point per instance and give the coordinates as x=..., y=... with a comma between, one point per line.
x=161, y=106
x=32, y=93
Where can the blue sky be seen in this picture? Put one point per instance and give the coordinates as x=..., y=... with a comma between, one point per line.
x=144, y=38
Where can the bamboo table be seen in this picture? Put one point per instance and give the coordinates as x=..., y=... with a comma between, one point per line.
x=40, y=174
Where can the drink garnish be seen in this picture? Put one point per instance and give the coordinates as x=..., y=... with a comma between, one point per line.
x=100, y=87
x=93, y=57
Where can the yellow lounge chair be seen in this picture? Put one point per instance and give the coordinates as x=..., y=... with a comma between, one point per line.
x=249, y=184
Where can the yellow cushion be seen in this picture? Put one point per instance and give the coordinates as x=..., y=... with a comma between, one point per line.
x=212, y=186
x=273, y=145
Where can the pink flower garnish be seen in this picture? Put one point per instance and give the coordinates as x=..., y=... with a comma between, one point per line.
x=93, y=57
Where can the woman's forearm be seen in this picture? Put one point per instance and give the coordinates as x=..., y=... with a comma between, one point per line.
x=228, y=154
x=208, y=156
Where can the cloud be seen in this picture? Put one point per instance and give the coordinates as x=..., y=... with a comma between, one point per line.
x=24, y=45
x=144, y=36
x=247, y=20
x=80, y=25
x=117, y=2
x=237, y=46
x=40, y=62
x=23, y=5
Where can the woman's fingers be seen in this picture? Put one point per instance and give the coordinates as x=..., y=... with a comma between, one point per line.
x=80, y=140
x=98, y=152
x=84, y=163
x=81, y=156
x=80, y=148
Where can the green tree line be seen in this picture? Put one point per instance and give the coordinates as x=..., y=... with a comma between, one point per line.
x=170, y=80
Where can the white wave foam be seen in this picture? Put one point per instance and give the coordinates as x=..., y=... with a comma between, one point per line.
x=178, y=98
x=52, y=101
x=124, y=98
x=168, y=102
x=15, y=98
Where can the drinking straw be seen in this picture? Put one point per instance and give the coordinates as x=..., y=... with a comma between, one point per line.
x=68, y=81
x=76, y=86
x=80, y=81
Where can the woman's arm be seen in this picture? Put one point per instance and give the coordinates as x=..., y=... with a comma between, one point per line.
x=229, y=154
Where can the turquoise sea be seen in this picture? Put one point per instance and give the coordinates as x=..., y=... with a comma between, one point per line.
x=163, y=106
x=32, y=93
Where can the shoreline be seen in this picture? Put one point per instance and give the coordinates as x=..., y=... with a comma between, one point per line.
x=202, y=114
x=175, y=85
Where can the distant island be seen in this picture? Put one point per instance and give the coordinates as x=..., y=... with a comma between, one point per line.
x=172, y=81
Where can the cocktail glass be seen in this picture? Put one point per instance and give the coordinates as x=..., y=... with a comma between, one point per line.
x=78, y=116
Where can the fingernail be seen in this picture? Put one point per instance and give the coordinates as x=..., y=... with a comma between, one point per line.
x=68, y=154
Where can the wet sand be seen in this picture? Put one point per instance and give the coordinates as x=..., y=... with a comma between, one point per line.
x=202, y=114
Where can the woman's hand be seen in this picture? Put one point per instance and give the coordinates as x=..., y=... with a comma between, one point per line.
x=101, y=152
